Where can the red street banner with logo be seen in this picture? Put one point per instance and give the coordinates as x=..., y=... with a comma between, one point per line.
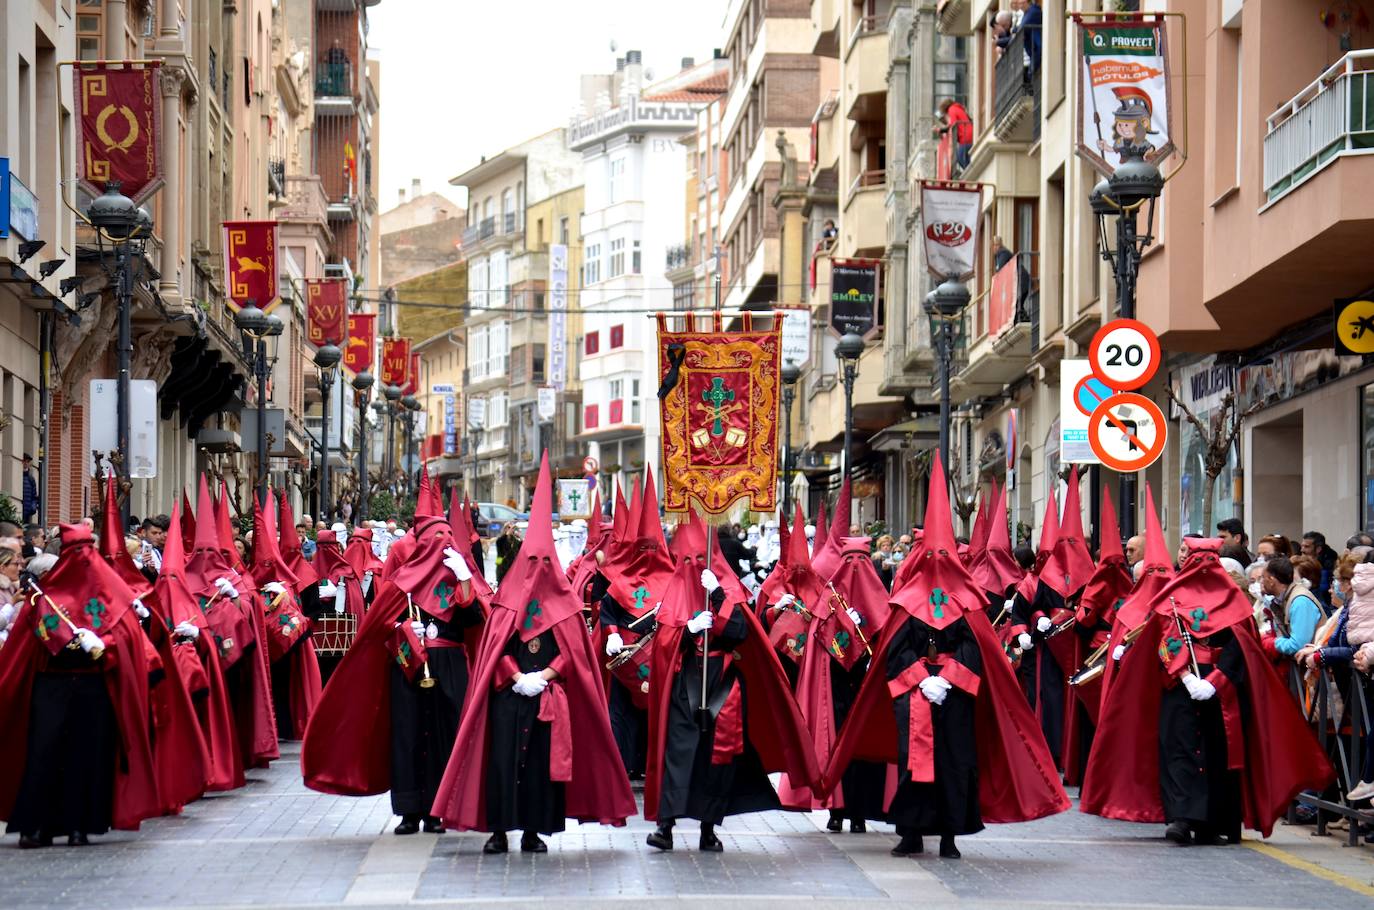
x=326, y=310
x=949, y=227
x=395, y=361
x=719, y=416
x=1124, y=105
x=362, y=338
x=250, y=263
x=412, y=386
x=118, y=107
x=1002, y=297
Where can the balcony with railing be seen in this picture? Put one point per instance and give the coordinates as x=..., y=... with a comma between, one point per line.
x=493, y=226
x=863, y=220
x=677, y=261
x=865, y=69
x=1000, y=347
x=334, y=76
x=1016, y=85
x=1330, y=118
x=276, y=178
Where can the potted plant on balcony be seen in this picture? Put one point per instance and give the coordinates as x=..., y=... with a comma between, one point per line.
x=610, y=469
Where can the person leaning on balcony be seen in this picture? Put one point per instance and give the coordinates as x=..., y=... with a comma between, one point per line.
x=1033, y=19
x=957, y=118
x=999, y=29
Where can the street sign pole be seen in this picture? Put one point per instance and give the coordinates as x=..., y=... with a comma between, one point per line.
x=1125, y=355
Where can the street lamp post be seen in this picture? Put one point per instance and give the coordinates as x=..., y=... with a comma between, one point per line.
x=122, y=229
x=1135, y=184
x=790, y=374
x=945, y=305
x=362, y=386
x=848, y=349
x=411, y=405
x=257, y=327
x=327, y=359
x=393, y=396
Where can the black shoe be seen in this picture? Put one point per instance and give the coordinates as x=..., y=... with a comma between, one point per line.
x=857, y=826
x=410, y=824
x=34, y=841
x=1179, y=833
x=835, y=825
x=532, y=843
x=947, y=848
x=78, y=839
x=496, y=844
x=661, y=839
x=909, y=845
x=709, y=843
x=432, y=825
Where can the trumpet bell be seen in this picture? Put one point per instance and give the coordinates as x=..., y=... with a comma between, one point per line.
x=428, y=682
x=1087, y=675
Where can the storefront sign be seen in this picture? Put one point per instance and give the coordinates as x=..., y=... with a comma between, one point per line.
x=1355, y=326
x=854, y=296
x=1204, y=385
x=558, y=316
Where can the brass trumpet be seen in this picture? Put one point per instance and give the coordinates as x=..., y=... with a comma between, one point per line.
x=844, y=605
x=1096, y=663
x=426, y=680
x=95, y=653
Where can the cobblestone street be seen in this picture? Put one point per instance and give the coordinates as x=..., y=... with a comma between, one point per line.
x=276, y=844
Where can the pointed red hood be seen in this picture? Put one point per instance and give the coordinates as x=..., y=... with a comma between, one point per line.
x=773, y=585
x=535, y=587
x=1111, y=581
x=1049, y=529
x=359, y=553
x=1156, y=572
x=1070, y=564
x=641, y=559
x=1202, y=594
x=940, y=591
x=978, y=538
x=826, y=556
x=112, y=544
x=822, y=530
x=427, y=504
x=175, y=598
x=690, y=542
x=289, y=545
x=268, y=564
x=997, y=569
x=225, y=527
x=620, y=514
x=208, y=560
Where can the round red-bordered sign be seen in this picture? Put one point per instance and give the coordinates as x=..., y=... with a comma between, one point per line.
x=1124, y=440
x=1089, y=394
x=1124, y=354
x=589, y=465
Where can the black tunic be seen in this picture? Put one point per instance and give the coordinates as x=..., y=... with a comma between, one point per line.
x=1194, y=783
x=424, y=721
x=520, y=793
x=692, y=785
x=949, y=805
x=863, y=782
x=68, y=783
x=1042, y=679
x=629, y=724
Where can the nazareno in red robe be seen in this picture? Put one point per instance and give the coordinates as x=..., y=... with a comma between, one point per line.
x=772, y=721
x=1268, y=741
x=583, y=750
x=79, y=576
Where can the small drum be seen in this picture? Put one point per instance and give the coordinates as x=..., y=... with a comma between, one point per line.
x=334, y=633
x=631, y=669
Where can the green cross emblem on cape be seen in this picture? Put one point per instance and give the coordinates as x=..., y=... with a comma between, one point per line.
x=95, y=609
x=532, y=612
x=938, y=599
x=442, y=591
x=641, y=595
x=716, y=396
x=1198, y=614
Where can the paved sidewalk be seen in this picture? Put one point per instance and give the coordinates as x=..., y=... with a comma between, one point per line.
x=276, y=844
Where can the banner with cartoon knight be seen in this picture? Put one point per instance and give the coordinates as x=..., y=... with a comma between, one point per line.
x=1123, y=102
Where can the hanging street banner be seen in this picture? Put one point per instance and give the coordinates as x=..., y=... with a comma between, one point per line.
x=326, y=311
x=949, y=225
x=362, y=339
x=558, y=316
x=118, y=107
x=574, y=501
x=395, y=361
x=796, y=335
x=412, y=383
x=1124, y=102
x=719, y=417
x=250, y=264
x=477, y=413
x=547, y=403
x=854, y=288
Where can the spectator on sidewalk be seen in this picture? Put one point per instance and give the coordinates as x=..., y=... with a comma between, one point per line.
x=1296, y=612
x=1272, y=545
x=1232, y=532
x=1314, y=545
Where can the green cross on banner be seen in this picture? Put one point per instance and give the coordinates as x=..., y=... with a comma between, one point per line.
x=94, y=608
x=531, y=612
x=716, y=396
x=1198, y=615
x=641, y=595
x=442, y=591
x=574, y=497
x=938, y=599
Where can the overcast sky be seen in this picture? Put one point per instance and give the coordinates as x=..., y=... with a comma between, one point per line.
x=467, y=78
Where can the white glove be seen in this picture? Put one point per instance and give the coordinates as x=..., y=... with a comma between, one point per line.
x=1025, y=642
x=702, y=621
x=1007, y=604
x=761, y=574
x=457, y=564
x=188, y=630
x=934, y=688
x=227, y=589
x=530, y=684
x=418, y=628
x=141, y=610
x=785, y=601
x=327, y=590
x=367, y=582
x=275, y=588
x=89, y=641
x=614, y=644
x=1199, y=689
x=854, y=615
x=709, y=581
x=1043, y=624
x=6, y=615
x=1118, y=651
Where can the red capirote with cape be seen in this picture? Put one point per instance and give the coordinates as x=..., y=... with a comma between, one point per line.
x=772, y=721
x=347, y=748
x=82, y=585
x=1017, y=780
x=584, y=753
x=1268, y=741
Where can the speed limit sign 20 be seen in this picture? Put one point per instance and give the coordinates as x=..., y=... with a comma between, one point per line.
x=1124, y=354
